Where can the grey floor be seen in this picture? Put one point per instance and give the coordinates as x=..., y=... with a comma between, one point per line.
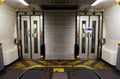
x=73, y=73
x=10, y=74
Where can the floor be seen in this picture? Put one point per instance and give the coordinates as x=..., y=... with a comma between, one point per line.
x=82, y=69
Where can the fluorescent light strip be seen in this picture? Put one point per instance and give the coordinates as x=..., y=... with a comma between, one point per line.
x=96, y=2
x=23, y=2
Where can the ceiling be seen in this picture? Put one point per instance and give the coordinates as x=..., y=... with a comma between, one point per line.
x=38, y=5
x=105, y=4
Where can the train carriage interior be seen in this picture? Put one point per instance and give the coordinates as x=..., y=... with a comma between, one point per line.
x=59, y=39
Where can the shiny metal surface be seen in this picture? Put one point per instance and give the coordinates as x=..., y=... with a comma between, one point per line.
x=35, y=35
x=26, y=50
x=88, y=38
x=93, y=37
x=30, y=36
x=83, y=38
x=59, y=35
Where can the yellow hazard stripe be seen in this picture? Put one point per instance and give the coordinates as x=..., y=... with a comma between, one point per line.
x=99, y=65
x=89, y=62
x=45, y=62
x=31, y=62
x=83, y=66
x=20, y=65
x=74, y=62
x=35, y=66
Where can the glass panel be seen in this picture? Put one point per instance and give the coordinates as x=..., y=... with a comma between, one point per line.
x=83, y=36
x=93, y=36
x=35, y=37
x=25, y=36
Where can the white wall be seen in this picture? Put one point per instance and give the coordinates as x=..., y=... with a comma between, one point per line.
x=7, y=33
x=112, y=33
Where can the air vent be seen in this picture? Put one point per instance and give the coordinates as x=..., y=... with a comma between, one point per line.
x=60, y=1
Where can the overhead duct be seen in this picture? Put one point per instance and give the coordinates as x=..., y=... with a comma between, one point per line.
x=59, y=7
x=60, y=1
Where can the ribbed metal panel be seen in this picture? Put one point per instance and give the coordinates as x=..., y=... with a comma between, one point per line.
x=59, y=35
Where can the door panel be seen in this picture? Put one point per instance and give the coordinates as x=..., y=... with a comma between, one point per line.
x=30, y=36
x=25, y=25
x=83, y=36
x=88, y=37
x=93, y=41
x=35, y=35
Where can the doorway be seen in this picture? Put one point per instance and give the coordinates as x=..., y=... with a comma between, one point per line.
x=30, y=33
x=88, y=37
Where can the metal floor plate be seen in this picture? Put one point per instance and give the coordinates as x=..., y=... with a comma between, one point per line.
x=57, y=75
x=83, y=74
x=36, y=74
x=108, y=74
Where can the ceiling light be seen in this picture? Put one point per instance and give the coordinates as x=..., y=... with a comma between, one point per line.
x=23, y=2
x=96, y=2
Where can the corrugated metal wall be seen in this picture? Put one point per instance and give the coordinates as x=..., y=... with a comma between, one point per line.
x=59, y=37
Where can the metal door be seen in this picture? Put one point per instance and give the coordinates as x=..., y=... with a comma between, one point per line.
x=93, y=37
x=35, y=36
x=25, y=32
x=59, y=35
x=30, y=37
x=88, y=37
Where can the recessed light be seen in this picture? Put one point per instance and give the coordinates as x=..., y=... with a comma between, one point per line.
x=23, y=2
x=96, y=2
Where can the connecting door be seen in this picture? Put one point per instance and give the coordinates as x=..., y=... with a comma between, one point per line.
x=30, y=31
x=88, y=37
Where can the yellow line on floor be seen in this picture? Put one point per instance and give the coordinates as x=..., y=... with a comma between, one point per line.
x=89, y=62
x=31, y=62
x=74, y=62
x=35, y=66
x=59, y=62
x=57, y=66
x=45, y=62
x=82, y=66
x=99, y=65
x=20, y=65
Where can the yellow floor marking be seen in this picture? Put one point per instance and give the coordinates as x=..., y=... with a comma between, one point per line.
x=35, y=66
x=99, y=65
x=31, y=62
x=57, y=66
x=83, y=66
x=20, y=65
x=74, y=62
x=45, y=62
x=58, y=70
x=60, y=62
x=89, y=62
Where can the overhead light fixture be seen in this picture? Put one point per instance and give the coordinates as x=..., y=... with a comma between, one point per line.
x=1, y=2
x=23, y=2
x=96, y=2
x=118, y=1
